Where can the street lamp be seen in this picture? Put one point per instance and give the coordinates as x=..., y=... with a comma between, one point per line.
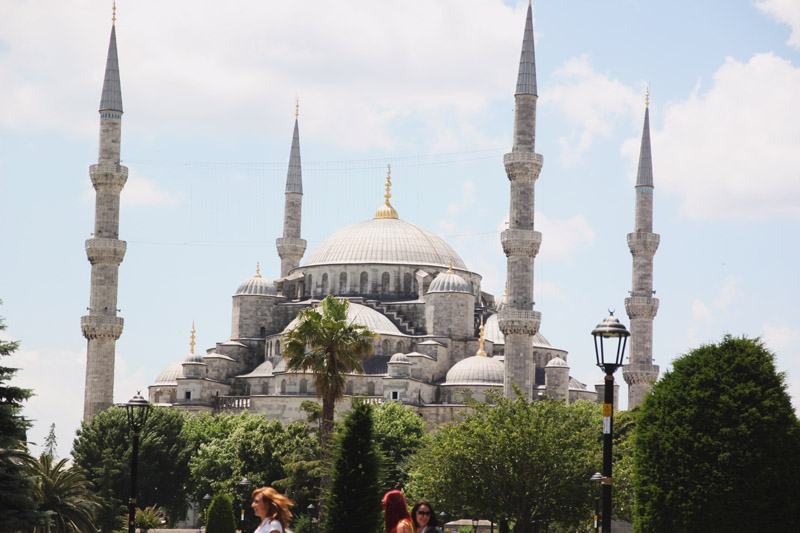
x=474, y=525
x=606, y=331
x=597, y=476
x=244, y=484
x=138, y=410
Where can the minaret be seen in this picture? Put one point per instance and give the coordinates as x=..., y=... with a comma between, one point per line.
x=291, y=247
x=102, y=327
x=641, y=373
x=518, y=321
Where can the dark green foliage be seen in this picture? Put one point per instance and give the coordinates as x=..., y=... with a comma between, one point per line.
x=220, y=515
x=718, y=445
x=354, y=498
x=525, y=461
x=50, y=443
x=400, y=433
x=103, y=449
x=17, y=507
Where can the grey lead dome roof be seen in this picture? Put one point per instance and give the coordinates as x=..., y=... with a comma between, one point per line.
x=256, y=286
x=385, y=240
x=447, y=282
x=365, y=316
x=170, y=375
x=476, y=370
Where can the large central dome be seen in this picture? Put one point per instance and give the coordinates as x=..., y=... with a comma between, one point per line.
x=385, y=240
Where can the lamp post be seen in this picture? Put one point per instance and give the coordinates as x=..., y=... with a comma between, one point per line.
x=244, y=484
x=597, y=476
x=606, y=331
x=138, y=409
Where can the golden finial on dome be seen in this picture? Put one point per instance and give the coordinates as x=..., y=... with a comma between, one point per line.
x=114, y=13
x=450, y=268
x=480, y=351
x=647, y=97
x=258, y=270
x=386, y=210
x=191, y=344
x=296, y=107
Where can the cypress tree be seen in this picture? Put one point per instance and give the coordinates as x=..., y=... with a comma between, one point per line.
x=220, y=515
x=354, y=497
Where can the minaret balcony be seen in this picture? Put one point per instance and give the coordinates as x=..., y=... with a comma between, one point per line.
x=105, y=251
x=640, y=373
x=523, y=165
x=524, y=242
x=641, y=307
x=643, y=243
x=108, y=176
x=101, y=327
x=519, y=321
x=290, y=247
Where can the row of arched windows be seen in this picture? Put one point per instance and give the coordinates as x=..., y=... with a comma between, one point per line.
x=346, y=284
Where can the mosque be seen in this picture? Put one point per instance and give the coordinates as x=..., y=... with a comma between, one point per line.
x=441, y=338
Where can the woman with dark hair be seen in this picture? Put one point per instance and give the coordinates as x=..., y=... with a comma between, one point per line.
x=395, y=513
x=424, y=517
x=272, y=508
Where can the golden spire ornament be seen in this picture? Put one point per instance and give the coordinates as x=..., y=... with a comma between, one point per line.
x=647, y=97
x=192, y=343
x=480, y=351
x=386, y=210
x=258, y=270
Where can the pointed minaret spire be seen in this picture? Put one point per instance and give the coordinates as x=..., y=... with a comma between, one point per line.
x=291, y=247
x=517, y=320
x=526, y=79
x=641, y=307
x=102, y=327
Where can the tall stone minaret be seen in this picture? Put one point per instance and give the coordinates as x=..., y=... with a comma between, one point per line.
x=102, y=327
x=641, y=373
x=291, y=247
x=518, y=321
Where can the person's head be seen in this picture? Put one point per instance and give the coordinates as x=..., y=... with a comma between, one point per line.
x=269, y=503
x=423, y=515
x=395, y=509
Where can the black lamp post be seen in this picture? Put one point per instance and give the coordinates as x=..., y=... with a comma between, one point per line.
x=244, y=484
x=474, y=525
x=606, y=331
x=597, y=476
x=138, y=410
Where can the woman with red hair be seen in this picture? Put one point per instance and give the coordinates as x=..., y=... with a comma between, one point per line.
x=395, y=513
x=272, y=508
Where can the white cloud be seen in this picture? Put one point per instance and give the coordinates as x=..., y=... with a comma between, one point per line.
x=466, y=201
x=728, y=293
x=786, y=12
x=562, y=238
x=592, y=102
x=731, y=151
x=143, y=192
x=701, y=312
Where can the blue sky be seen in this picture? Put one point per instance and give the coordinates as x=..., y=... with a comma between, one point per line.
x=209, y=93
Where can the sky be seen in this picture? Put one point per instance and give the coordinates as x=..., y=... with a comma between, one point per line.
x=209, y=91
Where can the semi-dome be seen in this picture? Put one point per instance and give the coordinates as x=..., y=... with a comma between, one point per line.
x=385, y=241
x=170, y=375
x=476, y=370
x=365, y=316
x=261, y=371
x=449, y=282
x=256, y=286
x=399, y=358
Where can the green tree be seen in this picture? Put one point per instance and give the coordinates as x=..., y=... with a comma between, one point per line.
x=718, y=444
x=50, y=443
x=64, y=494
x=151, y=517
x=103, y=449
x=327, y=345
x=354, y=499
x=220, y=515
x=526, y=461
x=18, y=507
x=400, y=433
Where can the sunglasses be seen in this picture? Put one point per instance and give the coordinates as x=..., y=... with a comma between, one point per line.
x=424, y=513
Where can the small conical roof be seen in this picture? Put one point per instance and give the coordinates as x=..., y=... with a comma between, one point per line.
x=111, y=99
x=526, y=80
x=644, y=177
x=294, y=178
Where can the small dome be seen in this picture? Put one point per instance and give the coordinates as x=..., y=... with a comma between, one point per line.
x=476, y=370
x=195, y=358
x=256, y=286
x=170, y=375
x=557, y=362
x=449, y=282
x=399, y=358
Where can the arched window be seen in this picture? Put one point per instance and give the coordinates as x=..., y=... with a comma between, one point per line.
x=265, y=388
x=407, y=283
x=348, y=388
x=310, y=285
x=370, y=389
x=343, y=283
x=277, y=347
x=325, y=284
x=385, y=347
x=399, y=347
x=303, y=386
x=385, y=283
x=283, y=386
x=364, y=283
x=263, y=331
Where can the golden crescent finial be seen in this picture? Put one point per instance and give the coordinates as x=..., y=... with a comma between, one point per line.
x=647, y=97
x=386, y=210
x=114, y=13
x=296, y=107
x=191, y=344
x=450, y=268
x=481, y=351
x=505, y=291
x=258, y=270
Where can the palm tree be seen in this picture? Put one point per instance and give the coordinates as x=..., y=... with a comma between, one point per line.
x=64, y=494
x=328, y=346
